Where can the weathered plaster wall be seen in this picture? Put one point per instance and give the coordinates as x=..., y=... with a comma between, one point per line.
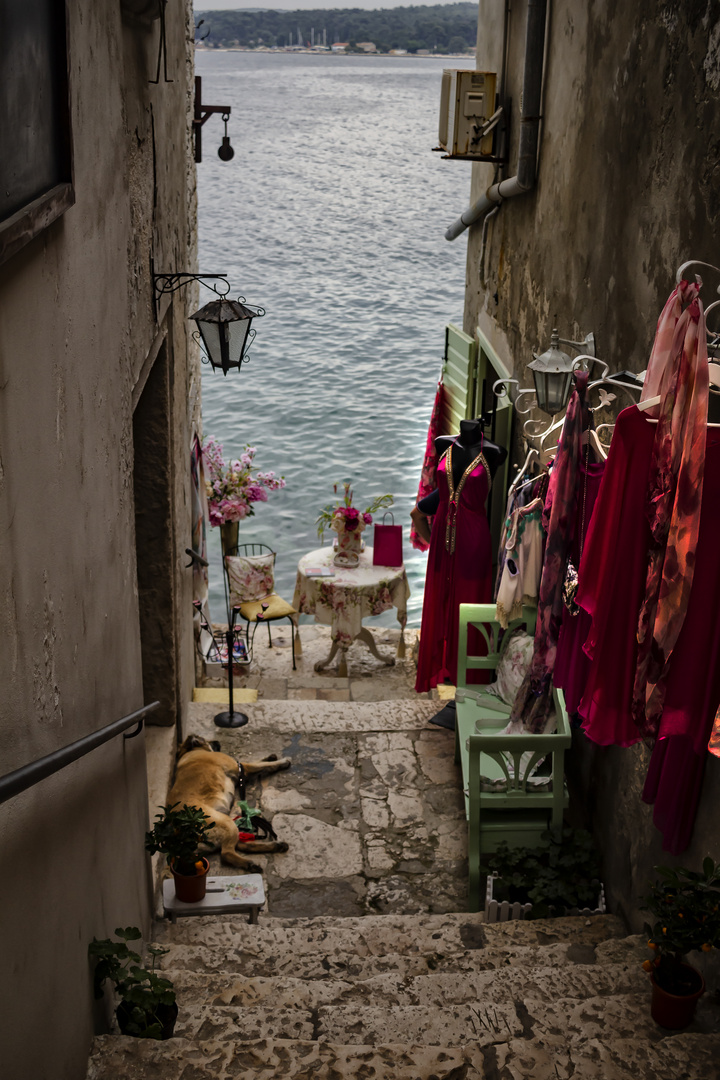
x=628, y=188
x=78, y=338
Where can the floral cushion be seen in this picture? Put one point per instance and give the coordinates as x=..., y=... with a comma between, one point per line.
x=250, y=577
x=513, y=667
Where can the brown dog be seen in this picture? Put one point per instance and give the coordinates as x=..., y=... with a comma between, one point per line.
x=206, y=778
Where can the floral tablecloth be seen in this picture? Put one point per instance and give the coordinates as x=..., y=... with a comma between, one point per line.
x=343, y=601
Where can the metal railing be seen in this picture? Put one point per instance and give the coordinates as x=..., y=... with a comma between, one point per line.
x=21, y=779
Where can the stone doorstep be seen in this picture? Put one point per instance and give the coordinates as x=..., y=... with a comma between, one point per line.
x=686, y=1056
x=293, y=717
x=434, y=991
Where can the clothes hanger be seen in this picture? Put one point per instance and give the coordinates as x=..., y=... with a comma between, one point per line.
x=532, y=455
x=590, y=436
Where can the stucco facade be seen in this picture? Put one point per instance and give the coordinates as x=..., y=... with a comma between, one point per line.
x=99, y=397
x=628, y=187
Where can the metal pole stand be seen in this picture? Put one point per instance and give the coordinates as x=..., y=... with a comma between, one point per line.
x=231, y=719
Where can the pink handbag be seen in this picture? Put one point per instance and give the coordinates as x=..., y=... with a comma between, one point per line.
x=387, y=544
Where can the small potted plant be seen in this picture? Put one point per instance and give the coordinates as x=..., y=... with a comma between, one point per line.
x=686, y=906
x=561, y=874
x=178, y=834
x=147, y=1006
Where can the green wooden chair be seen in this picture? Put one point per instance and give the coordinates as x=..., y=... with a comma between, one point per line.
x=502, y=801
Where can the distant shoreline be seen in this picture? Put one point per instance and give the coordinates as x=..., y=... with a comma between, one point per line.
x=294, y=50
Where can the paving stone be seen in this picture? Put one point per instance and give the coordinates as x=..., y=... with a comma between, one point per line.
x=321, y=716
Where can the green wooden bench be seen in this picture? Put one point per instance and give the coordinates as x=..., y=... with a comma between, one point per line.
x=521, y=810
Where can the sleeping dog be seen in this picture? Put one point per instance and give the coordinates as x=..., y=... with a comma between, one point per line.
x=206, y=778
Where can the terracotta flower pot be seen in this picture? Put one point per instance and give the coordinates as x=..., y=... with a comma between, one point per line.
x=675, y=1011
x=190, y=888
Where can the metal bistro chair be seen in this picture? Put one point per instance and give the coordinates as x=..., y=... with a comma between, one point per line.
x=269, y=609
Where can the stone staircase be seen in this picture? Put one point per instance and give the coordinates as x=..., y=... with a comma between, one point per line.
x=378, y=975
x=410, y=997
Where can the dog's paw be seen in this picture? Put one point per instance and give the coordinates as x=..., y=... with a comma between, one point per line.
x=253, y=868
x=271, y=757
x=282, y=847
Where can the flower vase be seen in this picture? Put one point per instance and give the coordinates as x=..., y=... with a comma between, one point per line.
x=349, y=547
x=229, y=533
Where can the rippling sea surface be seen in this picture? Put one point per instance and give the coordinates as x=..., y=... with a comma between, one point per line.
x=330, y=216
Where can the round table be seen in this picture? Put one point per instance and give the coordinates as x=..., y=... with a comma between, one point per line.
x=345, y=599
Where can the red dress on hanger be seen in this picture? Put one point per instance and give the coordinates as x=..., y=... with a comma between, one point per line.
x=463, y=577
x=612, y=584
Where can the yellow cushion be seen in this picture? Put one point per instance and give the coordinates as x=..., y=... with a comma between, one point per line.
x=276, y=609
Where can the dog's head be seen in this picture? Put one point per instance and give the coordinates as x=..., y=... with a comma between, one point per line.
x=196, y=742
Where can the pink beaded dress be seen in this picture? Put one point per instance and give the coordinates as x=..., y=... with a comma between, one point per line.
x=459, y=571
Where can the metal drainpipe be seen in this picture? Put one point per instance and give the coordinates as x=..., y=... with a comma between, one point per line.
x=529, y=125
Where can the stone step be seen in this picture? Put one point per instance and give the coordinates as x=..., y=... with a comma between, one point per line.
x=379, y=934
x=487, y=1022
x=685, y=1056
x=116, y=1058
x=502, y=985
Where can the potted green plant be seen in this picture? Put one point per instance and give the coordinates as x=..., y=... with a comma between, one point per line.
x=147, y=1006
x=561, y=874
x=686, y=906
x=178, y=834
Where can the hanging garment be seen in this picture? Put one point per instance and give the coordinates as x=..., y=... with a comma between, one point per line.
x=429, y=469
x=612, y=586
x=674, y=496
x=571, y=663
x=520, y=578
x=458, y=572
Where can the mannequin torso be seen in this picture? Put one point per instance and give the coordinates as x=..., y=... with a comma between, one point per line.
x=466, y=447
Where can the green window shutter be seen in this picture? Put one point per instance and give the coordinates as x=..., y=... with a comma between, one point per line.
x=458, y=379
x=490, y=368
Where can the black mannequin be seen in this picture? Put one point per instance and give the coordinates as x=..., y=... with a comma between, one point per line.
x=470, y=443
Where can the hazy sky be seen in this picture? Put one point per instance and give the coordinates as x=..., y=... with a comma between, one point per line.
x=306, y=5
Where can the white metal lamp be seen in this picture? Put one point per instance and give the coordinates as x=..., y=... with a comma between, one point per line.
x=552, y=375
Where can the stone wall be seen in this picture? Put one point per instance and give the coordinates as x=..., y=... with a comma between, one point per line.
x=89, y=371
x=628, y=188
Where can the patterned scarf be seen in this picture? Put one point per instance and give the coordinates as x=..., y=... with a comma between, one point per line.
x=534, y=699
x=428, y=481
x=678, y=371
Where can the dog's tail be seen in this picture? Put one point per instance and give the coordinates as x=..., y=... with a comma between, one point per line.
x=263, y=828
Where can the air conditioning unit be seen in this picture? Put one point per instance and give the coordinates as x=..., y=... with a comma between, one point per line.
x=467, y=102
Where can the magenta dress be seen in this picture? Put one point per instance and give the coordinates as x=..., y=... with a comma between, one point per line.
x=612, y=583
x=464, y=577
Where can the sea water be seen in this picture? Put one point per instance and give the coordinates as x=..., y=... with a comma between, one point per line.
x=331, y=216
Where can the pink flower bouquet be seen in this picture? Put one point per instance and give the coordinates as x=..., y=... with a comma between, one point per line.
x=343, y=515
x=231, y=488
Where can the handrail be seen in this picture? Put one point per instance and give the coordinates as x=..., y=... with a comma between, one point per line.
x=21, y=779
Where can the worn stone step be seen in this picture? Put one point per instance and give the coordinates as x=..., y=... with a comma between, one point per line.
x=117, y=1058
x=486, y=1022
x=195, y=990
x=684, y=1056
x=379, y=934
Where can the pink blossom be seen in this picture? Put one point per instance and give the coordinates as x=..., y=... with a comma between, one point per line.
x=256, y=493
x=367, y=518
x=351, y=514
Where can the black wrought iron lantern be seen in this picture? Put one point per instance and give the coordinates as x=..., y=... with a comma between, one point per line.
x=553, y=377
x=225, y=331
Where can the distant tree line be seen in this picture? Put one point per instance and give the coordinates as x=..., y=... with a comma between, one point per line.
x=440, y=28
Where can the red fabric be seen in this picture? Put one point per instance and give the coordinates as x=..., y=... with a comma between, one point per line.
x=612, y=583
x=571, y=664
x=462, y=578
x=429, y=470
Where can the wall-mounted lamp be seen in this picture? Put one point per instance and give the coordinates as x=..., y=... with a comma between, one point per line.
x=204, y=112
x=552, y=374
x=223, y=326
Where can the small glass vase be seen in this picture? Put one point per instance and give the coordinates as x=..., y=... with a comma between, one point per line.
x=229, y=533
